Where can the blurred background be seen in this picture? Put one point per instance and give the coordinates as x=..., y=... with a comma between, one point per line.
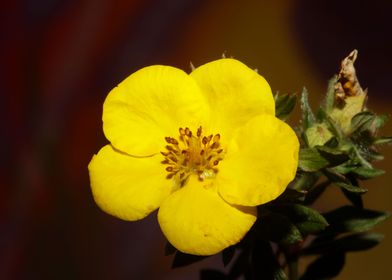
x=59, y=59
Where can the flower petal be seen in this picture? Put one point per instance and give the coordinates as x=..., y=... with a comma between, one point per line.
x=235, y=92
x=196, y=220
x=127, y=187
x=260, y=162
x=150, y=104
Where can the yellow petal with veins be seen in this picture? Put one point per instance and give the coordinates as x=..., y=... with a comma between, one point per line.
x=150, y=104
x=234, y=92
x=196, y=220
x=260, y=162
x=127, y=187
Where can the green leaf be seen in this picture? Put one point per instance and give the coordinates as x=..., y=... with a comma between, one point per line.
x=325, y=267
x=350, y=188
x=307, y=114
x=352, y=219
x=310, y=160
x=278, y=228
x=368, y=173
x=348, y=243
x=314, y=159
x=380, y=121
x=284, y=105
x=362, y=121
x=182, y=259
x=307, y=220
x=382, y=140
x=330, y=97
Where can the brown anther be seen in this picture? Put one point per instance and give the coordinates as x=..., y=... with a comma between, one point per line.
x=216, y=138
x=170, y=175
x=169, y=168
x=210, y=137
x=216, y=162
x=205, y=140
x=219, y=151
x=169, y=148
x=188, y=132
x=183, y=152
x=165, y=154
x=182, y=174
x=173, y=158
x=182, y=131
x=215, y=145
x=165, y=161
x=202, y=152
x=199, y=130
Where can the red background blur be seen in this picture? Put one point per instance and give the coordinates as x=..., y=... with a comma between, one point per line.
x=59, y=59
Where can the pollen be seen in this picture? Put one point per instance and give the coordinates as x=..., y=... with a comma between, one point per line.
x=196, y=154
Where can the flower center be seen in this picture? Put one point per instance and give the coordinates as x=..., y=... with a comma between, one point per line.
x=192, y=154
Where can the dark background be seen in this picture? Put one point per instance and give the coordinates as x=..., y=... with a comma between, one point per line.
x=58, y=61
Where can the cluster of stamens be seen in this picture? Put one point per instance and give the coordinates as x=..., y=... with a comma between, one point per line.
x=192, y=154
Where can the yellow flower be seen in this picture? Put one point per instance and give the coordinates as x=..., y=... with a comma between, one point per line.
x=204, y=148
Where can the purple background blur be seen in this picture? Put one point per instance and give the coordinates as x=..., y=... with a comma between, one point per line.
x=59, y=59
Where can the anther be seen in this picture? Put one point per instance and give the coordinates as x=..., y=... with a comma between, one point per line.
x=205, y=140
x=169, y=168
x=199, y=130
x=202, y=152
x=215, y=145
x=216, y=138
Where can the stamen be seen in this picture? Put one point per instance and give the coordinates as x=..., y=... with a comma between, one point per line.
x=197, y=155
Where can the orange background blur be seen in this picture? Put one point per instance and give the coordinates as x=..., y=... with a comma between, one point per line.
x=59, y=59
